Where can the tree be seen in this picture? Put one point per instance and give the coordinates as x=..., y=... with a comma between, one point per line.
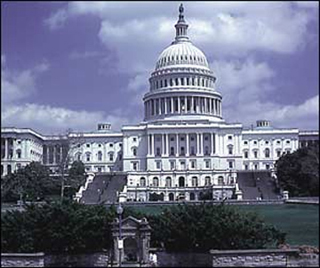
x=298, y=172
x=30, y=183
x=69, y=143
x=200, y=228
x=76, y=177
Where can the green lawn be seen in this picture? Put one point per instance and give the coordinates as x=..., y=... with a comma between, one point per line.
x=300, y=222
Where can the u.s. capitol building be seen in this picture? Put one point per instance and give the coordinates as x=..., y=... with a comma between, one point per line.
x=183, y=146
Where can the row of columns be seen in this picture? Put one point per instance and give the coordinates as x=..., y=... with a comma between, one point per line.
x=180, y=105
x=182, y=81
x=47, y=149
x=165, y=148
x=6, y=147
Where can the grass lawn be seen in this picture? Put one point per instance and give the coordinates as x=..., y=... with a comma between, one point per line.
x=300, y=222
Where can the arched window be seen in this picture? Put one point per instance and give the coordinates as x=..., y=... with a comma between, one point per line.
x=134, y=151
x=99, y=156
x=230, y=149
x=88, y=157
x=177, y=81
x=194, y=181
x=111, y=157
x=142, y=182
x=155, y=182
x=267, y=153
x=168, y=182
x=220, y=180
x=161, y=83
x=192, y=196
x=165, y=83
x=9, y=169
x=207, y=180
x=171, y=197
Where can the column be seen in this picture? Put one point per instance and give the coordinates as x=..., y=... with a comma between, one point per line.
x=149, y=144
x=192, y=104
x=198, y=144
x=152, y=144
x=54, y=154
x=163, y=147
x=6, y=147
x=165, y=106
x=212, y=143
x=177, y=144
x=185, y=104
x=201, y=143
x=187, y=144
x=216, y=139
x=179, y=107
x=171, y=100
x=167, y=144
x=205, y=105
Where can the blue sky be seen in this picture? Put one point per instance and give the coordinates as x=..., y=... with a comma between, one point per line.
x=75, y=64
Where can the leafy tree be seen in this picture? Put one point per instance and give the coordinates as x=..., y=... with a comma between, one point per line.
x=203, y=227
x=29, y=183
x=298, y=172
x=57, y=227
x=76, y=177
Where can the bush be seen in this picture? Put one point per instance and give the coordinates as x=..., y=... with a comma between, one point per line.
x=203, y=227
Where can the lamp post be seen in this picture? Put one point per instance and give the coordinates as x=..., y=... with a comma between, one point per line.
x=120, y=242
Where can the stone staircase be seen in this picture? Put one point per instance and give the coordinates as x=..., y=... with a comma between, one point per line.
x=104, y=188
x=256, y=185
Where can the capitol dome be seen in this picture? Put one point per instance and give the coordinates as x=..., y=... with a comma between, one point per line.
x=182, y=86
x=182, y=53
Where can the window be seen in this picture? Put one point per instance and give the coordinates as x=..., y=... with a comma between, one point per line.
x=134, y=166
x=183, y=165
x=230, y=149
x=230, y=164
x=172, y=139
x=207, y=180
x=193, y=163
x=255, y=154
x=287, y=141
x=206, y=138
x=267, y=153
x=207, y=163
x=229, y=137
x=99, y=145
x=192, y=150
x=158, y=151
x=182, y=138
x=142, y=182
x=278, y=142
x=206, y=150
x=158, y=138
x=267, y=166
x=278, y=153
x=88, y=145
x=246, y=167
x=134, y=151
x=194, y=181
x=245, y=142
x=168, y=182
x=99, y=156
x=158, y=164
x=245, y=154
x=171, y=165
x=134, y=139
x=192, y=138
x=182, y=151
x=255, y=166
x=110, y=157
x=254, y=142
x=88, y=157
x=267, y=142
x=155, y=182
x=111, y=144
x=18, y=153
x=171, y=150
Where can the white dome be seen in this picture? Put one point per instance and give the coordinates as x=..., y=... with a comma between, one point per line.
x=182, y=53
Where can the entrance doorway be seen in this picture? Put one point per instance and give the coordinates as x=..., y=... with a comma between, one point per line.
x=130, y=250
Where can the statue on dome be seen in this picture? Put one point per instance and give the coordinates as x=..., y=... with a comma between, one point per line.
x=181, y=9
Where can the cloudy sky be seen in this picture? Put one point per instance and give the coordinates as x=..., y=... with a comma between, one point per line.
x=76, y=64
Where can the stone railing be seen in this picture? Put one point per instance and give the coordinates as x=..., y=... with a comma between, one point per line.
x=90, y=177
x=252, y=258
x=22, y=259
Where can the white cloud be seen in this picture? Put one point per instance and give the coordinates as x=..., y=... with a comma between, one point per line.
x=19, y=85
x=57, y=19
x=48, y=119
